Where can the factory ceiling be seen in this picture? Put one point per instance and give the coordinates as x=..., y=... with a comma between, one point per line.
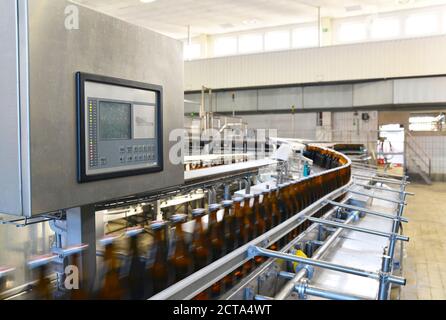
x=171, y=17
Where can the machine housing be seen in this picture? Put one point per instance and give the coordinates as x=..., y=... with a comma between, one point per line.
x=40, y=59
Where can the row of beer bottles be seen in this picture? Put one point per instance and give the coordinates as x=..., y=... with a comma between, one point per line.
x=243, y=220
x=173, y=257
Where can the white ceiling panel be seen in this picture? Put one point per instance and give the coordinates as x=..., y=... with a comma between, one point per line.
x=171, y=17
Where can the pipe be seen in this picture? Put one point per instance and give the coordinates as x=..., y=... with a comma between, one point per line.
x=247, y=185
x=377, y=173
x=374, y=213
x=377, y=197
x=262, y=298
x=364, y=230
x=387, y=180
x=383, y=189
x=305, y=289
x=289, y=286
x=254, y=251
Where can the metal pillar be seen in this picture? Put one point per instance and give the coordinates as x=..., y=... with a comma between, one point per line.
x=384, y=285
x=81, y=229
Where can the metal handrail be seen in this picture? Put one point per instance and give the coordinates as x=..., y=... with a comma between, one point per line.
x=419, y=151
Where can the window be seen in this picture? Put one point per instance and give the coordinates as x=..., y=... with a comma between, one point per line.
x=277, y=40
x=305, y=37
x=225, y=46
x=352, y=32
x=444, y=22
x=250, y=43
x=192, y=51
x=427, y=122
x=421, y=24
x=385, y=28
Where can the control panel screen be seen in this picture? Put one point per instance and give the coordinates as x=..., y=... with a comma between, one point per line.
x=115, y=121
x=144, y=122
x=120, y=126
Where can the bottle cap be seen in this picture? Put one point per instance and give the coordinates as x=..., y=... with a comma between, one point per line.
x=198, y=212
x=132, y=232
x=156, y=225
x=108, y=240
x=227, y=203
x=176, y=218
x=74, y=250
x=214, y=207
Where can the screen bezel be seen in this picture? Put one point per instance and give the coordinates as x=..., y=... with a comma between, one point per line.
x=81, y=79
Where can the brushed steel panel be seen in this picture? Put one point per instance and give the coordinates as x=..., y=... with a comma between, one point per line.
x=10, y=183
x=281, y=99
x=105, y=46
x=421, y=90
x=237, y=100
x=330, y=96
x=373, y=93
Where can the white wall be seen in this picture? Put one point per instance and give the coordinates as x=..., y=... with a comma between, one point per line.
x=300, y=125
x=394, y=58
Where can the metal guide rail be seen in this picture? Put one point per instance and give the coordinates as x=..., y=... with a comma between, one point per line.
x=299, y=282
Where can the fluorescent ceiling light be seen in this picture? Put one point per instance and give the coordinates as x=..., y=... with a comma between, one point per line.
x=250, y=22
x=147, y=1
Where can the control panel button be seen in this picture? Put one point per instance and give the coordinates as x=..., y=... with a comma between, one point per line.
x=129, y=149
x=122, y=150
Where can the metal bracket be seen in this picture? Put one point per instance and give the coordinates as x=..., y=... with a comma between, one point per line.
x=24, y=222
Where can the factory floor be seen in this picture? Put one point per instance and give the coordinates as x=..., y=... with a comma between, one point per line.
x=425, y=262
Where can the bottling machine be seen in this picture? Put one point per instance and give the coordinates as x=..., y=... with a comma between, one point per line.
x=87, y=173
